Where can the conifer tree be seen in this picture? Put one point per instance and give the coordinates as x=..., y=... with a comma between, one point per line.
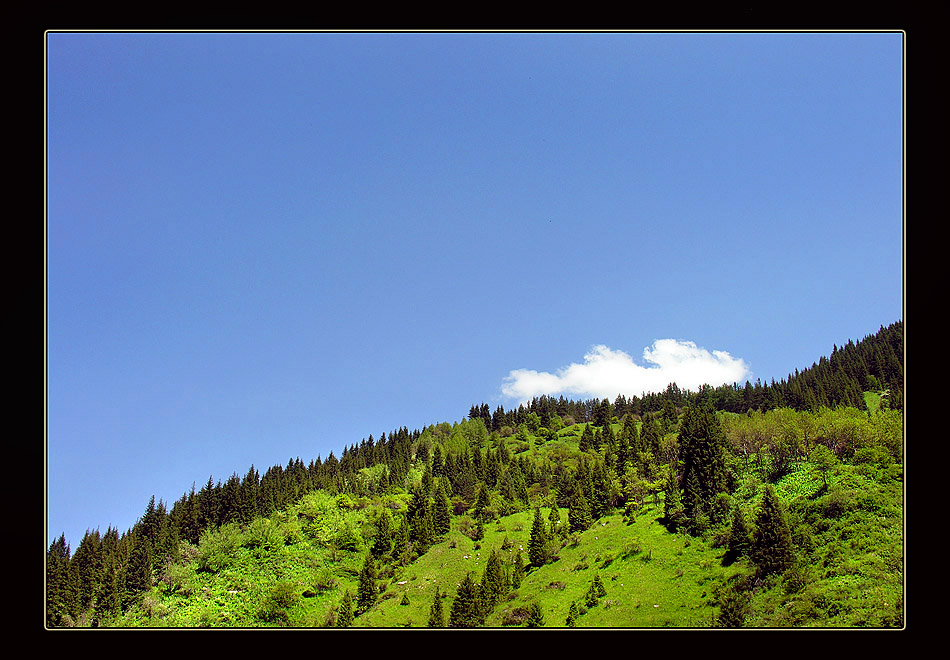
x=366, y=592
x=478, y=531
x=138, y=577
x=401, y=547
x=572, y=614
x=599, y=491
x=383, y=542
x=441, y=514
x=345, y=616
x=535, y=616
x=58, y=588
x=537, y=541
x=493, y=582
x=482, y=503
x=466, y=609
x=555, y=528
x=772, y=550
x=740, y=539
x=703, y=453
x=672, y=504
x=109, y=598
x=598, y=586
x=87, y=561
x=517, y=570
x=586, y=442
x=591, y=598
x=734, y=604
x=436, y=616
x=579, y=514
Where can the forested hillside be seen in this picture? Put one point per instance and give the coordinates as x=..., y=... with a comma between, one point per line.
x=775, y=504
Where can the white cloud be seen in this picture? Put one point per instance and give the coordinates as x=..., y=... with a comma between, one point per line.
x=606, y=373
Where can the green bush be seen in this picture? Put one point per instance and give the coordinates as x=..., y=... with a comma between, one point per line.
x=263, y=534
x=217, y=547
x=177, y=578
x=281, y=598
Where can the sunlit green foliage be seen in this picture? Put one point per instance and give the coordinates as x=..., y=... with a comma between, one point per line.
x=771, y=514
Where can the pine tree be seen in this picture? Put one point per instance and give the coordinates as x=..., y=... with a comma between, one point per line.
x=401, y=548
x=673, y=513
x=591, y=598
x=366, y=592
x=87, y=562
x=538, y=540
x=772, y=550
x=466, y=609
x=138, y=577
x=58, y=596
x=345, y=616
x=579, y=514
x=493, y=582
x=441, y=514
x=555, y=528
x=734, y=605
x=482, y=503
x=535, y=616
x=703, y=452
x=586, y=442
x=109, y=598
x=740, y=539
x=598, y=586
x=436, y=616
x=517, y=570
x=383, y=542
x=572, y=614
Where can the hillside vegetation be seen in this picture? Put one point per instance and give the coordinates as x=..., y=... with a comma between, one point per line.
x=671, y=510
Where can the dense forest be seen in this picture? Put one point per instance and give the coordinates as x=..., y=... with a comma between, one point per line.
x=776, y=504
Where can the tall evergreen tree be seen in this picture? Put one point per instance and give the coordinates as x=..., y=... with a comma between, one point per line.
x=586, y=442
x=345, y=615
x=482, y=503
x=673, y=513
x=493, y=582
x=436, y=615
x=734, y=604
x=740, y=539
x=579, y=515
x=535, y=616
x=58, y=586
x=703, y=450
x=555, y=527
x=517, y=570
x=572, y=615
x=109, y=599
x=383, y=542
x=87, y=561
x=466, y=609
x=772, y=549
x=366, y=592
x=138, y=577
x=401, y=545
x=538, y=540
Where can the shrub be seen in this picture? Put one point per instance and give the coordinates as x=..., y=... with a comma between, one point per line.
x=836, y=503
x=217, y=547
x=528, y=615
x=324, y=581
x=177, y=578
x=263, y=534
x=278, y=601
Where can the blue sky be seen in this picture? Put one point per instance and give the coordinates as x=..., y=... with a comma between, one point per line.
x=262, y=245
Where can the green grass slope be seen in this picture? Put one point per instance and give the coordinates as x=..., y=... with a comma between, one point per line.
x=293, y=568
